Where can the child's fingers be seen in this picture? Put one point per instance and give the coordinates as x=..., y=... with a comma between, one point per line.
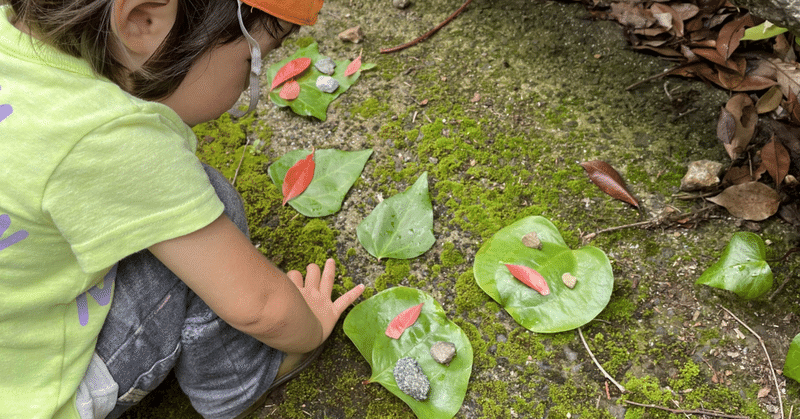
x=312, y=276
x=296, y=278
x=326, y=285
x=347, y=298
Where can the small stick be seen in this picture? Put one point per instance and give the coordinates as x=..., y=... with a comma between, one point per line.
x=430, y=32
x=233, y=182
x=688, y=412
x=771, y=369
x=619, y=386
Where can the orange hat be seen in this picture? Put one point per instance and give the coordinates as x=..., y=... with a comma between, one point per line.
x=301, y=12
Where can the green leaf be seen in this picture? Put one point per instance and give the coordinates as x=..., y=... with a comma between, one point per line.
x=742, y=268
x=365, y=326
x=400, y=227
x=791, y=368
x=765, y=30
x=564, y=308
x=335, y=173
x=312, y=101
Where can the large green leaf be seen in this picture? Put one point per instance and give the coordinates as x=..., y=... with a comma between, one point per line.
x=400, y=227
x=365, y=326
x=742, y=268
x=791, y=368
x=334, y=174
x=312, y=101
x=564, y=308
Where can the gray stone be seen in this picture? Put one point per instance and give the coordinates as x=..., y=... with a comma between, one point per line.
x=325, y=66
x=784, y=13
x=702, y=174
x=443, y=352
x=401, y=4
x=327, y=84
x=411, y=379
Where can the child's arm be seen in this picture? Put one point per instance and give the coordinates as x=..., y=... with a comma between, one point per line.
x=246, y=290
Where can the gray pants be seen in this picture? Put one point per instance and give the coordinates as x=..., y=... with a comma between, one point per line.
x=157, y=323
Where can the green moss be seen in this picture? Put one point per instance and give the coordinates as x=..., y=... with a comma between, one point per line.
x=396, y=272
x=450, y=256
x=370, y=108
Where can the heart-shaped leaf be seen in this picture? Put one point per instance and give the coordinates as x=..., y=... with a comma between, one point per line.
x=400, y=227
x=564, y=308
x=742, y=269
x=334, y=174
x=311, y=101
x=365, y=326
x=791, y=368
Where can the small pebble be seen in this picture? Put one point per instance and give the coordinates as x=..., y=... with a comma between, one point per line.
x=443, y=352
x=701, y=174
x=353, y=34
x=411, y=379
x=569, y=280
x=327, y=84
x=532, y=240
x=325, y=66
x=401, y=4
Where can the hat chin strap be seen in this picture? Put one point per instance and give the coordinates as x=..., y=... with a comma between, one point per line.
x=255, y=69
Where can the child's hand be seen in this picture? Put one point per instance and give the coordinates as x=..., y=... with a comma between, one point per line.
x=317, y=293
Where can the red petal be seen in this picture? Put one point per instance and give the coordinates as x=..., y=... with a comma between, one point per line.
x=403, y=321
x=290, y=70
x=529, y=277
x=290, y=90
x=298, y=177
x=353, y=67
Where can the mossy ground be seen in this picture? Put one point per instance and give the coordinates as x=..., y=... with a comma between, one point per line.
x=516, y=94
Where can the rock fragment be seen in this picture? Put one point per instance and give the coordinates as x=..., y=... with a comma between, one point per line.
x=401, y=4
x=443, y=352
x=532, y=240
x=325, y=66
x=702, y=174
x=354, y=35
x=569, y=280
x=327, y=84
x=411, y=379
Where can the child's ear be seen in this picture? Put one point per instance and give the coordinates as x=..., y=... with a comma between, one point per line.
x=142, y=25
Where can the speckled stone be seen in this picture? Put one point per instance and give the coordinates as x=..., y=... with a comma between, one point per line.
x=401, y=4
x=327, y=84
x=701, y=174
x=443, y=352
x=325, y=66
x=411, y=379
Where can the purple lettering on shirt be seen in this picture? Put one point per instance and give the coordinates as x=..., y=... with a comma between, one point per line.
x=5, y=111
x=5, y=222
x=101, y=295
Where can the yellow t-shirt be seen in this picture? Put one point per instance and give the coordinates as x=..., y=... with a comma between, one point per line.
x=88, y=176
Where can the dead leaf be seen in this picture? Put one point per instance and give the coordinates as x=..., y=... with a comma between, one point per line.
x=770, y=100
x=751, y=201
x=737, y=175
x=776, y=158
x=787, y=74
x=726, y=126
x=609, y=181
x=793, y=108
x=764, y=392
x=790, y=213
x=744, y=113
x=730, y=35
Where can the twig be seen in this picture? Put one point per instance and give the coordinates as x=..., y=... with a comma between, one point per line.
x=606, y=230
x=233, y=182
x=771, y=369
x=619, y=386
x=780, y=288
x=688, y=412
x=662, y=218
x=430, y=32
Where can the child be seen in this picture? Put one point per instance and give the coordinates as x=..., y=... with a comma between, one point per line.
x=122, y=257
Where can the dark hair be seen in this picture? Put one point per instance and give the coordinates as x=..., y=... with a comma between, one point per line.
x=82, y=28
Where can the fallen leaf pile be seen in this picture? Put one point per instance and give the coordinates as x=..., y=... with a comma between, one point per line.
x=759, y=126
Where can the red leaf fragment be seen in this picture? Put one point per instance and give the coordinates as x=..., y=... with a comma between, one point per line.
x=290, y=90
x=353, y=66
x=403, y=321
x=298, y=177
x=529, y=277
x=290, y=70
x=609, y=181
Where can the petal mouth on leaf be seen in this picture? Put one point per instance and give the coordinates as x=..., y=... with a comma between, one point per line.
x=298, y=177
x=290, y=70
x=353, y=66
x=529, y=277
x=403, y=321
x=290, y=90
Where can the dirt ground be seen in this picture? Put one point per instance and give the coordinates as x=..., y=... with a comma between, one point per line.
x=499, y=107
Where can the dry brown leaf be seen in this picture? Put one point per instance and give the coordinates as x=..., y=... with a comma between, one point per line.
x=737, y=175
x=743, y=111
x=753, y=201
x=726, y=126
x=776, y=159
x=788, y=76
x=764, y=392
x=754, y=83
x=770, y=100
x=686, y=10
x=730, y=35
x=609, y=181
